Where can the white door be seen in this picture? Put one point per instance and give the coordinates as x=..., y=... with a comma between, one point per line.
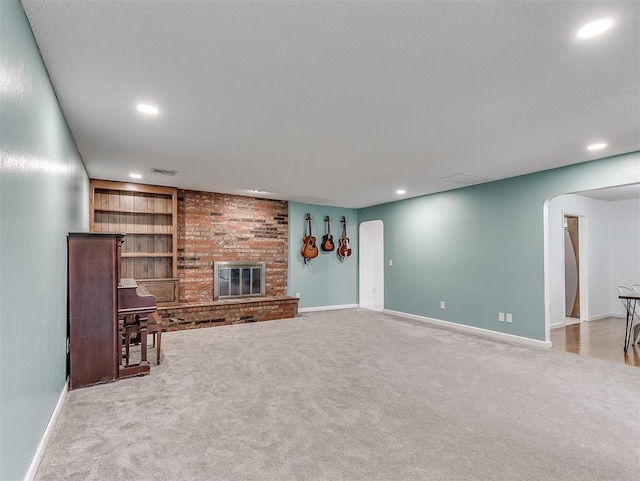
x=371, y=251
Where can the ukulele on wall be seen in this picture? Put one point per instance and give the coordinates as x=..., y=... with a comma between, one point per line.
x=344, y=250
x=309, y=248
x=327, y=239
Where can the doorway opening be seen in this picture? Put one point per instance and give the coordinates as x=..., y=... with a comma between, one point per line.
x=371, y=262
x=572, y=269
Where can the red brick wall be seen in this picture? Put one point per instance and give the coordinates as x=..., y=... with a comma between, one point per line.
x=221, y=227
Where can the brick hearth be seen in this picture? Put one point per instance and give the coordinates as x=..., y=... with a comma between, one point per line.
x=228, y=311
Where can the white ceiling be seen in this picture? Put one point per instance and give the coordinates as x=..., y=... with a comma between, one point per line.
x=340, y=102
x=613, y=194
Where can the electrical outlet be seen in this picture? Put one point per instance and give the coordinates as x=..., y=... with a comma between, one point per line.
x=442, y=306
x=509, y=317
x=298, y=295
x=501, y=316
x=390, y=262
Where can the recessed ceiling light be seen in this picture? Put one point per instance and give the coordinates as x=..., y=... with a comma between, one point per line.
x=594, y=28
x=598, y=146
x=147, y=109
x=135, y=176
x=401, y=191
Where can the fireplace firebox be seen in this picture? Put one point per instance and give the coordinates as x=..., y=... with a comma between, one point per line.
x=238, y=279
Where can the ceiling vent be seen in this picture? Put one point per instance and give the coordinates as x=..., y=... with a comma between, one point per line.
x=163, y=171
x=465, y=179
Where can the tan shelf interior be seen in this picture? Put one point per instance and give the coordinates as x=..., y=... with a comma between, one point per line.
x=147, y=215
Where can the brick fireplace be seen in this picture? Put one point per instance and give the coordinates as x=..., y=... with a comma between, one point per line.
x=214, y=228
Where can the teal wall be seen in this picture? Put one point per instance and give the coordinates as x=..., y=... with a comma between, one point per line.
x=44, y=192
x=481, y=248
x=325, y=281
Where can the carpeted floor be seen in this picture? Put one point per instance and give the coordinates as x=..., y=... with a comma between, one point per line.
x=352, y=395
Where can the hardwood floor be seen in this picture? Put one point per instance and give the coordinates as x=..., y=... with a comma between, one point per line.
x=602, y=339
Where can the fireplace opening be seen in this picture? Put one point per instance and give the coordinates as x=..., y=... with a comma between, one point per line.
x=238, y=279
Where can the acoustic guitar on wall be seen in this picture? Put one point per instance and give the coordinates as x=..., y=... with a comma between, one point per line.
x=309, y=248
x=327, y=239
x=344, y=250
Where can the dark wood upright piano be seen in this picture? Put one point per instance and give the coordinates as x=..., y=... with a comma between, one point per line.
x=106, y=312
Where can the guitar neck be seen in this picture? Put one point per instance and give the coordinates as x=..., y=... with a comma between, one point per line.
x=309, y=226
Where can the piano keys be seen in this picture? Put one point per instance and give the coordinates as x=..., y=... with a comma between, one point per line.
x=135, y=304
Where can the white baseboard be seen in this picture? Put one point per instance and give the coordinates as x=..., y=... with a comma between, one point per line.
x=474, y=330
x=570, y=321
x=328, y=308
x=372, y=308
x=602, y=316
x=37, y=457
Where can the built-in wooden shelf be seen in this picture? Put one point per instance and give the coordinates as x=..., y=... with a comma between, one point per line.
x=147, y=215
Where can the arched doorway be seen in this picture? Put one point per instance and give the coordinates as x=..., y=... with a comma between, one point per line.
x=371, y=261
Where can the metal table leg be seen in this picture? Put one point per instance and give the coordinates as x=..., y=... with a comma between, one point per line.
x=631, y=311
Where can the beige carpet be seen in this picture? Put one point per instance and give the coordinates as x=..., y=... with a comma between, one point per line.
x=352, y=395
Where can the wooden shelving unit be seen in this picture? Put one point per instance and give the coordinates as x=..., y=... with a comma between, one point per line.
x=147, y=214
